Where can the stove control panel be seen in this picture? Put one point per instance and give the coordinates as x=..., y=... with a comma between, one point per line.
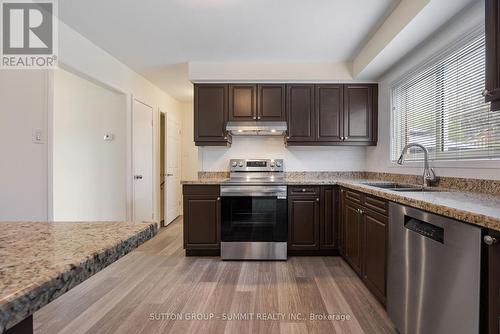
x=256, y=165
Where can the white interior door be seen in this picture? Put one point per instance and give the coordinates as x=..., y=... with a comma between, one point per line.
x=142, y=152
x=173, y=170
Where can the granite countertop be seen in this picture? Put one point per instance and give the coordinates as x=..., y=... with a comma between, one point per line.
x=206, y=180
x=474, y=208
x=40, y=261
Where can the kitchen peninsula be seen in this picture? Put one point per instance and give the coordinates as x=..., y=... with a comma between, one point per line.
x=40, y=261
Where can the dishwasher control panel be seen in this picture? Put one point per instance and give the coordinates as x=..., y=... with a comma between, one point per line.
x=427, y=230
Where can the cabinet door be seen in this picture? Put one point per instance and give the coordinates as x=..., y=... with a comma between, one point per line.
x=303, y=223
x=492, y=29
x=210, y=114
x=300, y=113
x=242, y=102
x=353, y=228
x=375, y=253
x=494, y=284
x=329, y=113
x=359, y=113
x=201, y=222
x=271, y=103
x=328, y=218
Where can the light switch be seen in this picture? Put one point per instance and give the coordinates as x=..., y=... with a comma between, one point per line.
x=37, y=136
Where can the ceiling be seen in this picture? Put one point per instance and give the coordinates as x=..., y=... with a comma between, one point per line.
x=159, y=38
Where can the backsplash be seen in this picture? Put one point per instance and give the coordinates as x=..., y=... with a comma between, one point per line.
x=299, y=158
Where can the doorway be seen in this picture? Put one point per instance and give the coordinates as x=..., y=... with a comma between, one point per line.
x=163, y=121
x=173, y=170
x=142, y=161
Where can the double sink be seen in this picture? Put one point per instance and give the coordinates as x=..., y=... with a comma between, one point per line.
x=400, y=187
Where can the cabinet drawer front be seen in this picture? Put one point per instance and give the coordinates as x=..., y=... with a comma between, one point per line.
x=305, y=190
x=201, y=189
x=352, y=196
x=377, y=204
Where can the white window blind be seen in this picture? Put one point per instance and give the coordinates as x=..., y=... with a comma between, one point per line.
x=440, y=106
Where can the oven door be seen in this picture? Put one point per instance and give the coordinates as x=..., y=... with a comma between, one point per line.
x=253, y=214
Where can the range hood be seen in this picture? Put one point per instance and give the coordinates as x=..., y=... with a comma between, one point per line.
x=260, y=128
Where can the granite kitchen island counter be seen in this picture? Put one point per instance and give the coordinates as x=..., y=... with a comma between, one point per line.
x=40, y=261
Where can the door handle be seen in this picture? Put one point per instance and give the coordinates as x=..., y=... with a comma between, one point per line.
x=170, y=174
x=137, y=177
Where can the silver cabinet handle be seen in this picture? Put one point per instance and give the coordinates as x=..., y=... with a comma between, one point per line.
x=170, y=174
x=303, y=190
x=258, y=117
x=360, y=211
x=346, y=137
x=317, y=199
x=218, y=198
x=489, y=240
x=137, y=177
x=485, y=92
x=255, y=117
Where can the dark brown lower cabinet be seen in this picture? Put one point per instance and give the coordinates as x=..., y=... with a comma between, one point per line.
x=303, y=223
x=201, y=219
x=494, y=285
x=352, y=239
x=312, y=220
x=375, y=253
x=363, y=238
x=328, y=231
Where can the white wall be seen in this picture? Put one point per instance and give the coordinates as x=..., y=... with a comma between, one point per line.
x=25, y=98
x=296, y=158
x=378, y=158
x=23, y=164
x=89, y=174
x=81, y=55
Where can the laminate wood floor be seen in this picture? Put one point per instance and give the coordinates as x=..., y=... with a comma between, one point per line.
x=156, y=289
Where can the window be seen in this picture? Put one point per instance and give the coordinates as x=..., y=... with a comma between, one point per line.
x=440, y=106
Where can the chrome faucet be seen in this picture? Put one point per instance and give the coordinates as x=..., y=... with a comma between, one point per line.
x=429, y=175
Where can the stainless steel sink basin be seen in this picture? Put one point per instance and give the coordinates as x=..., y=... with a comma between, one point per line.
x=400, y=187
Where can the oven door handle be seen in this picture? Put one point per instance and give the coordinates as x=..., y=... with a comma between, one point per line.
x=253, y=194
x=252, y=191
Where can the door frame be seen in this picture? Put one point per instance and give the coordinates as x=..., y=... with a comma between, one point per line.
x=179, y=121
x=154, y=163
x=160, y=111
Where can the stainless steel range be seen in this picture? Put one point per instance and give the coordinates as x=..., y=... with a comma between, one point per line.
x=254, y=211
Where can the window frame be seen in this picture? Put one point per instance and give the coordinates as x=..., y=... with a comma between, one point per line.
x=442, y=53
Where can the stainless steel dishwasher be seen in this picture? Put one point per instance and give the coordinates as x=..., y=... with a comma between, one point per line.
x=434, y=273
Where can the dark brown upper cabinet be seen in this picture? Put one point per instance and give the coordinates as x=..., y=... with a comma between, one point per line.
x=242, y=102
x=300, y=113
x=316, y=115
x=339, y=114
x=492, y=29
x=360, y=113
x=210, y=115
x=329, y=113
x=271, y=102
